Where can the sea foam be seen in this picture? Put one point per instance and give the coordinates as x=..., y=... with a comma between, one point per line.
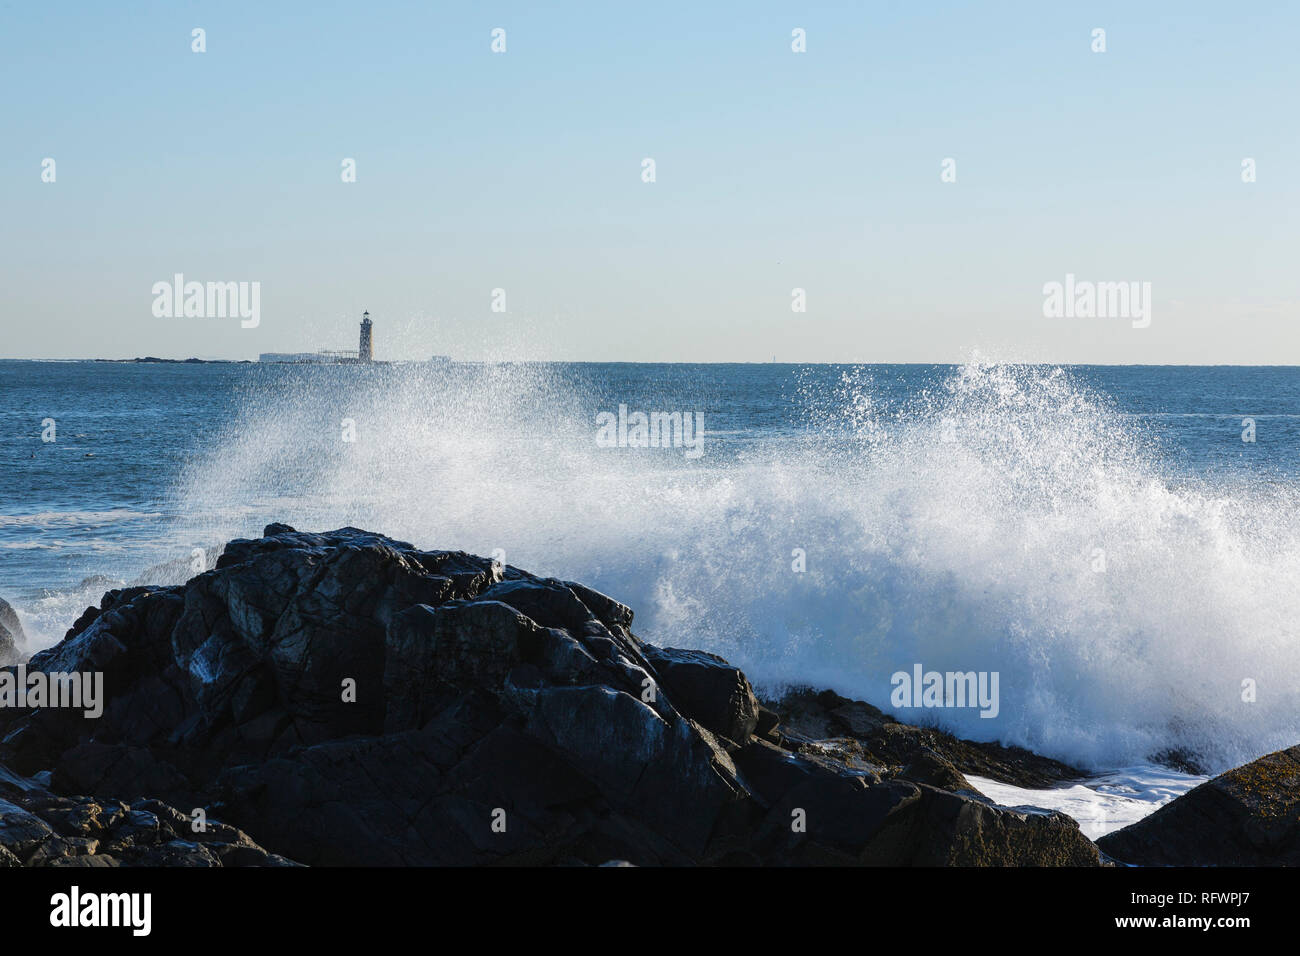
x=1007, y=520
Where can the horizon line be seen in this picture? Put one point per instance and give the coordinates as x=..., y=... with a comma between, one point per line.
x=162, y=360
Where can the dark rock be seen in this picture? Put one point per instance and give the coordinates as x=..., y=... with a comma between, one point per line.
x=38, y=828
x=98, y=860
x=948, y=829
x=1249, y=816
x=929, y=768
x=708, y=689
x=767, y=725
x=856, y=818
x=172, y=853
x=809, y=715
x=21, y=832
x=350, y=699
x=1180, y=759
x=62, y=848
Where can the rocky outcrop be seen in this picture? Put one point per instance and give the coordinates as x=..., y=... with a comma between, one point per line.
x=876, y=737
x=1249, y=816
x=928, y=767
x=38, y=828
x=350, y=699
x=13, y=643
x=709, y=689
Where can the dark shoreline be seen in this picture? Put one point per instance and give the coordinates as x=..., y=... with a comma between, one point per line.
x=347, y=699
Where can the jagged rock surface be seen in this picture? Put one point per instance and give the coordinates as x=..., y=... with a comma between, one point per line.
x=874, y=736
x=350, y=699
x=38, y=828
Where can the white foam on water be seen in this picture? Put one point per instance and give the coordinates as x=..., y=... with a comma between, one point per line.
x=1102, y=804
x=962, y=534
x=45, y=520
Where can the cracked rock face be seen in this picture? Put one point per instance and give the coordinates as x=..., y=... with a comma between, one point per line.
x=350, y=699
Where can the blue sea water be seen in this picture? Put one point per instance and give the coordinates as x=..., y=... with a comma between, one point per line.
x=1102, y=537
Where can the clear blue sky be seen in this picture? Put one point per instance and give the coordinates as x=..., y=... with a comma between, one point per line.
x=775, y=170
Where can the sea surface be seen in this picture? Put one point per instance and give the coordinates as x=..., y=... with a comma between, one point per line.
x=1100, y=537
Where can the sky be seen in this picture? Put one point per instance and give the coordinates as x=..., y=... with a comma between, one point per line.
x=774, y=170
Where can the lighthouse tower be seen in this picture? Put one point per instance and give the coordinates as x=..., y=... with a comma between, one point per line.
x=367, y=351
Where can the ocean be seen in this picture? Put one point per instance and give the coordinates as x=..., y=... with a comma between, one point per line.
x=1120, y=545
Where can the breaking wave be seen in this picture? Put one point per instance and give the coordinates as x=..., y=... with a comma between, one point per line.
x=1007, y=519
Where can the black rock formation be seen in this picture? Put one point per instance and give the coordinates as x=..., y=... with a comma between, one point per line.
x=350, y=699
x=40, y=829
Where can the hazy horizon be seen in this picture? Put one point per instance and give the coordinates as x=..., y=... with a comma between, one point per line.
x=169, y=360
x=775, y=171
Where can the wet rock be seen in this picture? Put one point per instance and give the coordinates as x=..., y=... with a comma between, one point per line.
x=62, y=848
x=172, y=853
x=1249, y=816
x=810, y=715
x=38, y=828
x=708, y=689
x=349, y=699
x=949, y=829
x=21, y=832
x=856, y=818
x=929, y=768
x=768, y=725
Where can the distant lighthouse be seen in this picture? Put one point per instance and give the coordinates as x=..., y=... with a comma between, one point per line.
x=367, y=351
